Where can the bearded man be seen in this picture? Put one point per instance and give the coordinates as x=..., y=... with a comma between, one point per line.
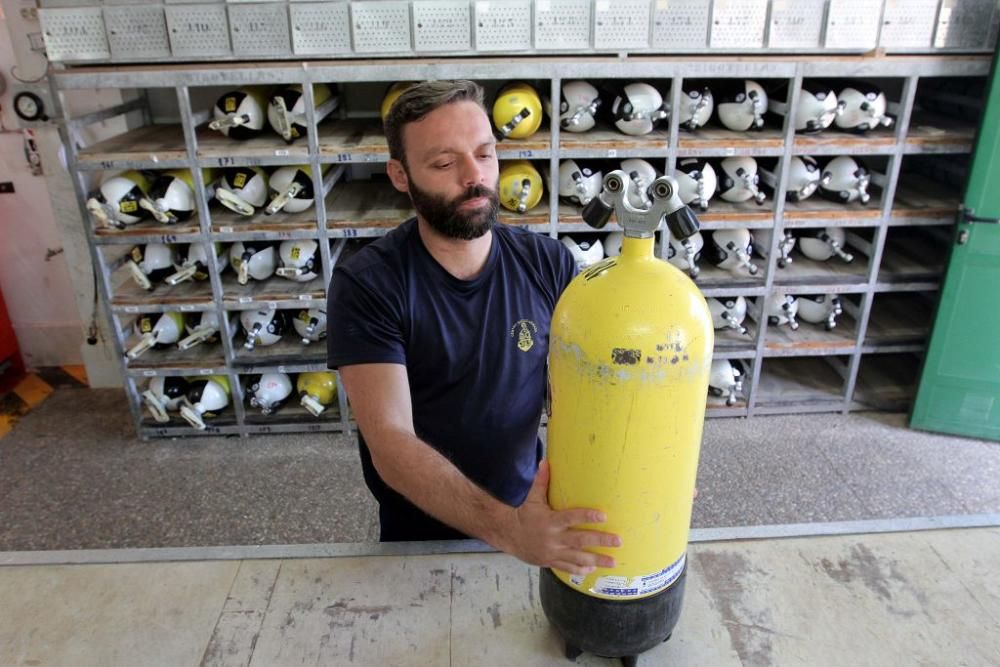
x=440, y=332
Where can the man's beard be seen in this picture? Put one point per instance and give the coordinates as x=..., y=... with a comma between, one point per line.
x=447, y=219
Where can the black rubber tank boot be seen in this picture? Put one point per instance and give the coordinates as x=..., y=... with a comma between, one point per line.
x=610, y=628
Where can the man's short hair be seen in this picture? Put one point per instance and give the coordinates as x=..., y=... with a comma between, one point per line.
x=417, y=101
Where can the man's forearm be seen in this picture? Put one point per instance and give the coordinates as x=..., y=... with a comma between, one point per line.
x=431, y=482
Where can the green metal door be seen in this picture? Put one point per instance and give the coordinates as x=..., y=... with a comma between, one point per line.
x=959, y=388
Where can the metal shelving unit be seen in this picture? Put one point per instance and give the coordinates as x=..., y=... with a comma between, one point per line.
x=802, y=371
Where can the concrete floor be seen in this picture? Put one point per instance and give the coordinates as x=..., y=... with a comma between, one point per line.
x=73, y=478
x=926, y=598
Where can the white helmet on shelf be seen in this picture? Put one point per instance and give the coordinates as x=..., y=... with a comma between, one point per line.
x=865, y=107
x=613, y=244
x=804, y=177
x=696, y=107
x=263, y=327
x=585, y=251
x=116, y=202
x=239, y=114
x=637, y=108
x=817, y=107
x=820, y=244
x=740, y=104
x=739, y=180
x=729, y=313
x=786, y=243
x=300, y=260
x=642, y=175
x=206, y=330
x=685, y=253
x=193, y=262
x=156, y=330
x=164, y=395
x=579, y=181
x=171, y=196
x=725, y=379
x=848, y=181
x=782, y=310
x=252, y=259
x=242, y=189
x=286, y=109
x=206, y=397
x=151, y=263
x=317, y=390
x=696, y=181
x=292, y=189
x=310, y=324
x=731, y=249
x=268, y=391
x=578, y=106
x=820, y=309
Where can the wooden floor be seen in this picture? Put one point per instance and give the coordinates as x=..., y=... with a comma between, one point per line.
x=927, y=597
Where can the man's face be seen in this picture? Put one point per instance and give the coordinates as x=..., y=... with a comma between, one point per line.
x=452, y=170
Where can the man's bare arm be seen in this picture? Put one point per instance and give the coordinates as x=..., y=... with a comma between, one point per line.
x=533, y=532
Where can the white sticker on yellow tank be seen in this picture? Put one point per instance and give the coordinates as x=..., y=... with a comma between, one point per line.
x=623, y=587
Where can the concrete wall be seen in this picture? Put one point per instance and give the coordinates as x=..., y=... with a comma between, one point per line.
x=45, y=266
x=34, y=275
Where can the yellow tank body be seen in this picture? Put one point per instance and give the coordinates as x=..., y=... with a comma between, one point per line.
x=511, y=101
x=629, y=357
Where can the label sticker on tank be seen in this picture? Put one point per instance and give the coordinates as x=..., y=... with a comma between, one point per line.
x=623, y=587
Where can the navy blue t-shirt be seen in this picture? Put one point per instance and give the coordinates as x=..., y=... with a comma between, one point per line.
x=475, y=354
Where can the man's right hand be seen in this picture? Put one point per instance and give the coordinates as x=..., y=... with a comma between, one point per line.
x=539, y=535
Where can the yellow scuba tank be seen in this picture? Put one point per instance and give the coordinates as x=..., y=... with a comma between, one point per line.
x=630, y=353
x=395, y=90
x=520, y=186
x=317, y=390
x=517, y=111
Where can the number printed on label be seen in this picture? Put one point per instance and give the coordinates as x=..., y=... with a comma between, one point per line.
x=612, y=152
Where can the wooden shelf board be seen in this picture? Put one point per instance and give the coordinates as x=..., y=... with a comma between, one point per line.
x=217, y=146
x=809, y=338
x=899, y=318
x=225, y=221
x=834, y=271
x=918, y=196
x=205, y=355
x=710, y=138
x=928, y=130
x=187, y=292
x=603, y=137
x=797, y=380
x=149, y=228
x=816, y=207
x=151, y=142
x=274, y=288
x=841, y=142
x=289, y=350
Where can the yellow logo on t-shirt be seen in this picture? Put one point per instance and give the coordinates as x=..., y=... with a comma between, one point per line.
x=522, y=331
